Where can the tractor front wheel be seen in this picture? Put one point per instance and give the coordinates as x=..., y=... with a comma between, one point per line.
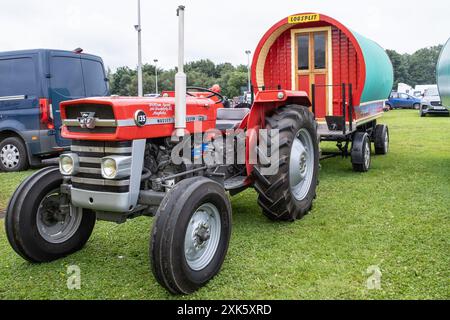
x=190, y=235
x=37, y=228
x=287, y=194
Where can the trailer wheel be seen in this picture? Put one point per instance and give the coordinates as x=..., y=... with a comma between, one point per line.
x=361, y=157
x=13, y=155
x=289, y=194
x=191, y=234
x=381, y=139
x=35, y=226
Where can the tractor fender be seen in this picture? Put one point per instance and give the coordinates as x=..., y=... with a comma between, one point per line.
x=264, y=103
x=357, y=147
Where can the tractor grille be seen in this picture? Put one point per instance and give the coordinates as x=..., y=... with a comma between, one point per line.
x=89, y=176
x=103, y=114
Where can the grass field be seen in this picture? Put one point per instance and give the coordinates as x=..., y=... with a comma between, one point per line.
x=396, y=217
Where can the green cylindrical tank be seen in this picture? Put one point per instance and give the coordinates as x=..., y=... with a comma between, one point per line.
x=443, y=74
x=379, y=70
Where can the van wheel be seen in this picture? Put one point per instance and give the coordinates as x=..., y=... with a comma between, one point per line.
x=13, y=155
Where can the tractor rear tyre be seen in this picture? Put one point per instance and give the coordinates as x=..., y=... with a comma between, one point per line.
x=361, y=157
x=36, y=227
x=381, y=139
x=288, y=194
x=191, y=234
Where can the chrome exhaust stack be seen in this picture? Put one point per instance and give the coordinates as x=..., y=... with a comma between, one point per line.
x=180, y=79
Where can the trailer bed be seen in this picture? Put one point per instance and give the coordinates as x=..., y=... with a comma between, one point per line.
x=328, y=135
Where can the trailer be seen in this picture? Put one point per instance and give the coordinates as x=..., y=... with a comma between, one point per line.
x=347, y=76
x=443, y=74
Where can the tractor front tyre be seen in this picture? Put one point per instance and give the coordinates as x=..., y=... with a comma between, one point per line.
x=381, y=139
x=287, y=193
x=361, y=156
x=37, y=228
x=191, y=234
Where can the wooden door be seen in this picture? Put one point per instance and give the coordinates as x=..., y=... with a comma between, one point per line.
x=312, y=66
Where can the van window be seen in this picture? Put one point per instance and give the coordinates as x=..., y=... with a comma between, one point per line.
x=67, y=76
x=17, y=77
x=94, y=78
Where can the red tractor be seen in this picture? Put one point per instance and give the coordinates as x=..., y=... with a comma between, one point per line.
x=122, y=165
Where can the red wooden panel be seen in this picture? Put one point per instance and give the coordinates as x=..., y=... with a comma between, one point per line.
x=304, y=84
x=346, y=69
x=277, y=70
x=321, y=95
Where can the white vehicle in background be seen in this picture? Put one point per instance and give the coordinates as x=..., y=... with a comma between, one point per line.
x=420, y=89
x=432, y=104
x=405, y=88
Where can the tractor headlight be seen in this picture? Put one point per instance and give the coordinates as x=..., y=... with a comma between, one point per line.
x=109, y=168
x=116, y=167
x=68, y=164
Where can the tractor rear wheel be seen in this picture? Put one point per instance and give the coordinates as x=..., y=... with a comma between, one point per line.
x=288, y=194
x=191, y=234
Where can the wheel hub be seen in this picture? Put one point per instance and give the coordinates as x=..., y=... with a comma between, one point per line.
x=202, y=236
x=367, y=156
x=53, y=225
x=301, y=165
x=9, y=156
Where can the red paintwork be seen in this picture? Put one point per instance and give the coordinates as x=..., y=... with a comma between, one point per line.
x=125, y=108
x=265, y=102
x=348, y=62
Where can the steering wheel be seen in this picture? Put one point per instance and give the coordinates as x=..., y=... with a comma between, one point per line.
x=200, y=89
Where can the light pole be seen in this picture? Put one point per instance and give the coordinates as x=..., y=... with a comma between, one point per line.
x=248, y=53
x=139, y=69
x=156, y=74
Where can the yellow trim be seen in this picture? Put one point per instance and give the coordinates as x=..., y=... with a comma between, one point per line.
x=304, y=18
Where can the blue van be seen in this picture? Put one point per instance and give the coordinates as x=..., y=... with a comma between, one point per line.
x=32, y=85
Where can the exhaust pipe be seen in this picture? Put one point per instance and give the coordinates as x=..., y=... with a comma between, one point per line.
x=180, y=79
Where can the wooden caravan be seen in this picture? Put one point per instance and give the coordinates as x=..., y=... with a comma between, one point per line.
x=314, y=53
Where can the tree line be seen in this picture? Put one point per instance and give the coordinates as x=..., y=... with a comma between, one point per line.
x=202, y=73
x=416, y=68
x=413, y=69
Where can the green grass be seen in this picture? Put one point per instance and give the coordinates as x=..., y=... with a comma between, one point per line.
x=396, y=217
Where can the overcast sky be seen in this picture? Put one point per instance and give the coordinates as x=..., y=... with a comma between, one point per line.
x=219, y=30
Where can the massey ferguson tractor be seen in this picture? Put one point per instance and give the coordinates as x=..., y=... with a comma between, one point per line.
x=123, y=164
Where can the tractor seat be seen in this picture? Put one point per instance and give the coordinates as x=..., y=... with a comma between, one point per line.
x=228, y=118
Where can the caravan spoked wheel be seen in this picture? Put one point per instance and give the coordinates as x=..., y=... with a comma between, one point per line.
x=190, y=235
